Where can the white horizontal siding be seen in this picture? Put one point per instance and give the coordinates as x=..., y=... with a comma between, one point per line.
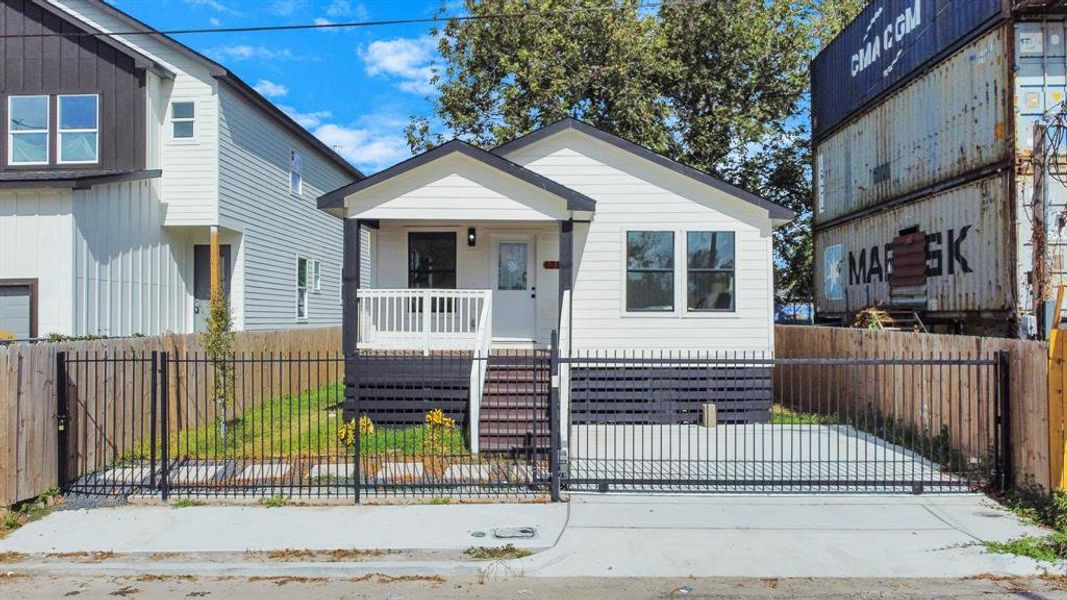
x=456, y=187
x=634, y=194
x=276, y=226
x=131, y=275
x=35, y=243
x=190, y=167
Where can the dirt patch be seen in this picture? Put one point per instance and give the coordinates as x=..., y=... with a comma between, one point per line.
x=339, y=555
x=12, y=557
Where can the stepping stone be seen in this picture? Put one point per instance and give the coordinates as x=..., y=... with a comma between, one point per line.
x=128, y=474
x=333, y=471
x=195, y=474
x=400, y=471
x=466, y=472
x=264, y=471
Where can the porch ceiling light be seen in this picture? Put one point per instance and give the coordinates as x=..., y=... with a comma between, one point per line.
x=472, y=236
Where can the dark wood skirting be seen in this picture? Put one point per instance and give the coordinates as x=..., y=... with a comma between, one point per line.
x=666, y=395
x=398, y=391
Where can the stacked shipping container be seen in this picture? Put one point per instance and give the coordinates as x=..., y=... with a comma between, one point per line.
x=923, y=115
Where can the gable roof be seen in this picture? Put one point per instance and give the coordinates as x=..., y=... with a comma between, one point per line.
x=140, y=60
x=575, y=200
x=224, y=75
x=777, y=211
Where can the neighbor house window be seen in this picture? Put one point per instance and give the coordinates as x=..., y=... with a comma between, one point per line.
x=301, y=288
x=296, y=178
x=710, y=271
x=27, y=130
x=79, y=128
x=432, y=260
x=649, y=271
x=316, y=275
x=183, y=120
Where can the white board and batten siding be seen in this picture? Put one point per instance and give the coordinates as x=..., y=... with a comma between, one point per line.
x=190, y=166
x=36, y=241
x=131, y=275
x=277, y=227
x=633, y=194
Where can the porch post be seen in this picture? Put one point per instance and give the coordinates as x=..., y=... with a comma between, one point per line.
x=350, y=261
x=566, y=259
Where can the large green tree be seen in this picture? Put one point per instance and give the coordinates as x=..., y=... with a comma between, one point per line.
x=720, y=85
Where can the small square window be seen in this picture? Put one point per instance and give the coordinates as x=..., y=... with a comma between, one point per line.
x=183, y=119
x=296, y=178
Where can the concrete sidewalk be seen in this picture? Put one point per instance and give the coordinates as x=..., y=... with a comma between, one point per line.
x=592, y=536
x=780, y=536
x=228, y=529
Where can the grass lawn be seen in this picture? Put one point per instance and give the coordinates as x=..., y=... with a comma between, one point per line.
x=293, y=426
x=781, y=415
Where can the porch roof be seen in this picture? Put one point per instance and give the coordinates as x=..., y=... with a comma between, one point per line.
x=334, y=202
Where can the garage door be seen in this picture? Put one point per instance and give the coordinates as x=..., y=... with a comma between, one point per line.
x=15, y=317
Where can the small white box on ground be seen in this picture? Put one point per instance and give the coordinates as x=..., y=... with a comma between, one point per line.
x=711, y=419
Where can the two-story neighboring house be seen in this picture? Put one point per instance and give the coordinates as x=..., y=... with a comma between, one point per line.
x=128, y=163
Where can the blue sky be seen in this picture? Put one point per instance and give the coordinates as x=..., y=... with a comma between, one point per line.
x=353, y=88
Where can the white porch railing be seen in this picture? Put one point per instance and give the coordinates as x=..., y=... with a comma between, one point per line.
x=479, y=367
x=429, y=319
x=432, y=319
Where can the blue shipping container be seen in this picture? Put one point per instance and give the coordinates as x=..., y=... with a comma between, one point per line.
x=888, y=41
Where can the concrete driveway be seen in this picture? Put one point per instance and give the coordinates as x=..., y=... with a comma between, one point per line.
x=780, y=536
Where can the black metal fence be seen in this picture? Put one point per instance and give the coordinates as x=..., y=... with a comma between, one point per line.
x=270, y=425
x=747, y=423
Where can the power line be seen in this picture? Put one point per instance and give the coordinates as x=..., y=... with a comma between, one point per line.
x=360, y=24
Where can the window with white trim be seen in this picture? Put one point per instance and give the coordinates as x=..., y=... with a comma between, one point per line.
x=649, y=271
x=301, y=288
x=27, y=130
x=710, y=271
x=296, y=177
x=316, y=275
x=79, y=128
x=183, y=120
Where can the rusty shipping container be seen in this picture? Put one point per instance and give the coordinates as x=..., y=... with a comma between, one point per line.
x=924, y=195
x=945, y=125
x=964, y=254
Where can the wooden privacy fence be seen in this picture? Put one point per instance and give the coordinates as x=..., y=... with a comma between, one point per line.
x=936, y=392
x=28, y=392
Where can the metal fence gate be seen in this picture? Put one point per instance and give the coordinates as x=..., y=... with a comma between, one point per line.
x=265, y=425
x=746, y=423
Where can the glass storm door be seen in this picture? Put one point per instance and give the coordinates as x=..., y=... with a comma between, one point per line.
x=514, y=292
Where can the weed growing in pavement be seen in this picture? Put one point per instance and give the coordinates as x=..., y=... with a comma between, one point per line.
x=496, y=552
x=30, y=511
x=1033, y=504
x=275, y=502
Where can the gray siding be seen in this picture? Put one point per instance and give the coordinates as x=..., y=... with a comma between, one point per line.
x=277, y=226
x=72, y=65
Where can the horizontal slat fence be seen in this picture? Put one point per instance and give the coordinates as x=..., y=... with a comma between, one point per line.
x=945, y=392
x=28, y=409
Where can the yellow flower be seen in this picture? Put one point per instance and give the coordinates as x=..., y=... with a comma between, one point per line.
x=346, y=434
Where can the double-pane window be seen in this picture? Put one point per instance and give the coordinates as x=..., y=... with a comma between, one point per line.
x=649, y=271
x=710, y=271
x=79, y=128
x=27, y=130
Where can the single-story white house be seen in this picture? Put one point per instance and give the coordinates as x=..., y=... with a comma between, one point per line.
x=567, y=230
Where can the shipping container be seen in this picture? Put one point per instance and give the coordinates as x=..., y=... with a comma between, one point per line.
x=889, y=42
x=946, y=125
x=963, y=239
x=925, y=199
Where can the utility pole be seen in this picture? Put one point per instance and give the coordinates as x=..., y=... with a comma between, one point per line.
x=1039, y=238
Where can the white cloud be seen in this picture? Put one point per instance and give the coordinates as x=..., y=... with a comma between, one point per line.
x=307, y=120
x=370, y=149
x=270, y=89
x=244, y=52
x=345, y=8
x=215, y=5
x=412, y=60
x=214, y=22
x=286, y=8
x=322, y=21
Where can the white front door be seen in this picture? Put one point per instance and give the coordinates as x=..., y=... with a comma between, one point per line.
x=514, y=289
